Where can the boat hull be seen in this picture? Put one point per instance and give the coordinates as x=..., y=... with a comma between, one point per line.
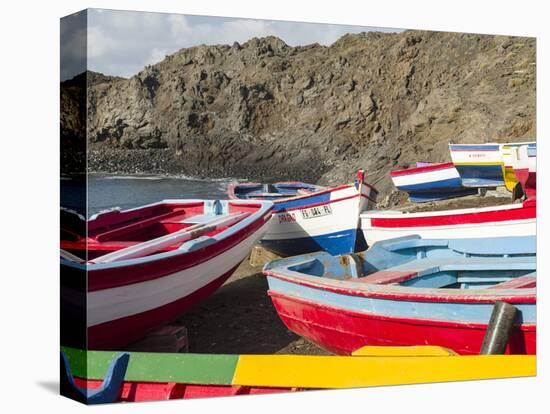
x=341, y=331
x=478, y=165
x=326, y=220
x=498, y=221
x=431, y=183
x=409, y=292
x=125, y=300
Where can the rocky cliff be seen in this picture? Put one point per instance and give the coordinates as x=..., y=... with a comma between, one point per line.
x=265, y=110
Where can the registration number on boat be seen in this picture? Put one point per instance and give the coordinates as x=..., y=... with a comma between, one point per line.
x=314, y=212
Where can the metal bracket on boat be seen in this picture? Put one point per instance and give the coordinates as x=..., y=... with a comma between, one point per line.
x=109, y=390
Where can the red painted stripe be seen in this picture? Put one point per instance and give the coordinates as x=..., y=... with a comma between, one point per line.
x=99, y=279
x=139, y=391
x=341, y=331
x=410, y=294
x=121, y=332
x=386, y=277
x=410, y=171
x=521, y=213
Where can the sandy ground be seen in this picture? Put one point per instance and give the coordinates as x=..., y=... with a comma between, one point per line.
x=239, y=318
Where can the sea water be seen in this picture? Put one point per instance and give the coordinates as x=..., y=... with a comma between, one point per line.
x=127, y=191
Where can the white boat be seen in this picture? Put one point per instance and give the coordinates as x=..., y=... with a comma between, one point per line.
x=495, y=221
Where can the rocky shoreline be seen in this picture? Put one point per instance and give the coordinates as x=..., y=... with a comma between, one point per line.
x=267, y=111
x=166, y=162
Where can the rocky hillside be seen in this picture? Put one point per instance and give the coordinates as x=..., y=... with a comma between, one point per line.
x=266, y=110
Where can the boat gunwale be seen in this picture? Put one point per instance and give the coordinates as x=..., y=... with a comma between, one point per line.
x=402, y=293
x=420, y=170
x=262, y=215
x=523, y=326
x=399, y=214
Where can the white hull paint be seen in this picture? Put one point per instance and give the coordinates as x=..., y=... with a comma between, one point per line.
x=115, y=303
x=344, y=216
x=425, y=177
x=508, y=228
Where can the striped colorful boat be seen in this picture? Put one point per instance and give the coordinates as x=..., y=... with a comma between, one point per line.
x=496, y=221
x=525, y=169
x=481, y=165
x=409, y=291
x=104, y=377
x=430, y=182
x=275, y=191
x=324, y=220
x=138, y=269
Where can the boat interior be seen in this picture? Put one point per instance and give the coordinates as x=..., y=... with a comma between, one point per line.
x=162, y=227
x=427, y=264
x=274, y=191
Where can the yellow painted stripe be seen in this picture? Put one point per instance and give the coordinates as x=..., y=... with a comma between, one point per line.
x=348, y=372
x=510, y=178
x=402, y=351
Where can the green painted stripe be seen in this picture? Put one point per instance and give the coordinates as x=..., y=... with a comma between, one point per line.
x=157, y=367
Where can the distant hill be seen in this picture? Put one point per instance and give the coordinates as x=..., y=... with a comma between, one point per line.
x=264, y=109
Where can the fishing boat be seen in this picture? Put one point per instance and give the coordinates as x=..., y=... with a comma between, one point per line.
x=275, y=191
x=409, y=291
x=322, y=220
x=480, y=165
x=95, y=377
x=143, y=267
x=430, y=182
x=525, y=169
x=518, y=219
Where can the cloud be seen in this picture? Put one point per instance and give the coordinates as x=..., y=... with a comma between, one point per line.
x=123, y=42
x=73, y=45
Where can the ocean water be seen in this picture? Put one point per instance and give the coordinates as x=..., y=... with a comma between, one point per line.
x=107, y=191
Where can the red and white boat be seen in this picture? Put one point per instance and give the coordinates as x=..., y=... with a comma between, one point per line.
x=525, y=169
x=471, y=223
x=146, y=266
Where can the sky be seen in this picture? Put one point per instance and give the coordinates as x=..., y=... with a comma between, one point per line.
x=122, y=43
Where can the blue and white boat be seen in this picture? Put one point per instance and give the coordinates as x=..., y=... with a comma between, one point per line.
x=430, y=182
x=325, y=220
x=275, y=191
x=480, y=165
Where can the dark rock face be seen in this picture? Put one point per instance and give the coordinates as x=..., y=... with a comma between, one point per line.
x=266, y=110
